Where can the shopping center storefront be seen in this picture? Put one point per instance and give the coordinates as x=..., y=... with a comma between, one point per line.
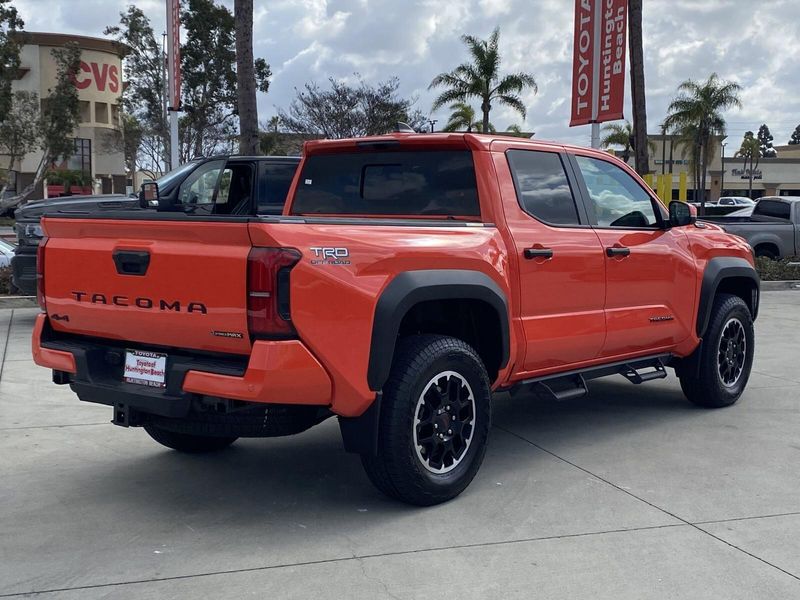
x=98, y=163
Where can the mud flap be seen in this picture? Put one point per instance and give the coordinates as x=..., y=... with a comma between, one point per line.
x=360, y=434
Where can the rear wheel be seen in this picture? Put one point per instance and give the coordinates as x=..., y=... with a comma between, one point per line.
x=766, y=252
x=726, y=356
x=434, y=422
x=185, y=442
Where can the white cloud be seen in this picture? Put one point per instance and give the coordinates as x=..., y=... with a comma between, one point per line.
x=755, y=44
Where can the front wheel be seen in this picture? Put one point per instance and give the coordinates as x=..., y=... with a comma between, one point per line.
x=434, y=422
x=186, y=442
x=726, y=356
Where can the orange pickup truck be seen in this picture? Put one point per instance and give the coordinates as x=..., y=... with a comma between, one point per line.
x=409, y=277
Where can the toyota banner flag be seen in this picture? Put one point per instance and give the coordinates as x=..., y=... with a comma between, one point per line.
x=598, y=70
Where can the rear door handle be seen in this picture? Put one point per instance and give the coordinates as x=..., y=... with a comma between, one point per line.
x=531, y=253
x=617, y=251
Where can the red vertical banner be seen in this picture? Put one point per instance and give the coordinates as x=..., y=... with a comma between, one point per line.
x=174, y=52
x=583, y=63
x=598, y=67
x=612, y=42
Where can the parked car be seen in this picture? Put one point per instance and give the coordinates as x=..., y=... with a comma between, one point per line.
x=6, y=253
x=29, y=231
x=261, y=183
x=725, y=205
x=772, y=228
x=738, y=201
x=408, y=277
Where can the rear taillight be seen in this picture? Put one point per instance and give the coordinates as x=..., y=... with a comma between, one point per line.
x=40, y=273
x=268, y=314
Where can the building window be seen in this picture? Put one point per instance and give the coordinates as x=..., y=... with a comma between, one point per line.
x=101, y=112
x=81, y=159
x=86, y=111
x=115, y=115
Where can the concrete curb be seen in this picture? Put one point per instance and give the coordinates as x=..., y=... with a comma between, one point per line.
x=779, y=286
x=17, y=302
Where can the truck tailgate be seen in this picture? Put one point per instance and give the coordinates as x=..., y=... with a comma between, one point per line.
x=170, y=283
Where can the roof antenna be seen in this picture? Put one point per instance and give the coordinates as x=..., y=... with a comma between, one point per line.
x=401, y=127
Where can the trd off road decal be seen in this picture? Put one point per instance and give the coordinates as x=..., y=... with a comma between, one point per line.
x=330, y=256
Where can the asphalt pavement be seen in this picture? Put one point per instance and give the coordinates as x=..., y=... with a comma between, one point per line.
x=629, y=493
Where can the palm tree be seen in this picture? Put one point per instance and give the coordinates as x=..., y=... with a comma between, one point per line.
x=463, y=119
x=617, y=134
x=750, y=151
x=697, y=112
x=638, y=100
x=515, y=130
x=481, y=79
x=246, y=79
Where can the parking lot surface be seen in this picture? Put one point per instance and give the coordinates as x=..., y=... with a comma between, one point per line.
x=629, y=493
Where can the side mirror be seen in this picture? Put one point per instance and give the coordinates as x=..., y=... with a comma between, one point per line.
x=148, y=196
x=681, y=214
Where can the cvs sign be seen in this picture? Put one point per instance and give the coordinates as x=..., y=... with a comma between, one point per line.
x=101, y=76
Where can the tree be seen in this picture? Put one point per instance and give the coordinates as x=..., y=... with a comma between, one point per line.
x=209, y=79
x=246, y=78
x=696, y=112
x=346, y=110
x=58, y=119
x=765, y=142
x=19, y=132
x=638, y=98
x=750, y=151
x=144, y=96
x=463, y=119
x=617, y=134
x=10, y=45
x=481, y=79
x=795, y=139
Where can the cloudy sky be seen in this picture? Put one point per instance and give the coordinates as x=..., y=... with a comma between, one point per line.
x=756, y=43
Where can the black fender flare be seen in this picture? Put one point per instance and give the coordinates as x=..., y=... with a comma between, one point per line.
x=717, y=270
x=412, y=287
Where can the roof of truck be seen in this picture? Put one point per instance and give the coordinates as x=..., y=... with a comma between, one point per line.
x=474, y=141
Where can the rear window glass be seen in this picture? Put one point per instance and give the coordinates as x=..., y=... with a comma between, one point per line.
x=773, y=208
x=275, y=180
x=389, y=183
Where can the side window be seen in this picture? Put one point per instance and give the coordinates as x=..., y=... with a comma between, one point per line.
x=542, y=187
x=773, y=208
x=617, y=199
x=275, y=180
x=235, y=190
x=199, y=187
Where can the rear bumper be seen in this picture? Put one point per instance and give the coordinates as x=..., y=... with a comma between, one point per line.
x=277, y=372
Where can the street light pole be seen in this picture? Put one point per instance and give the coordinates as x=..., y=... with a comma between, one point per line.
x=722, y=179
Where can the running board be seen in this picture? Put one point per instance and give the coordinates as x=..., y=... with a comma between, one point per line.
x=572, y=385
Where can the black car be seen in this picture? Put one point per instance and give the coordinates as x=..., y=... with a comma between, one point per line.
x=254, y=185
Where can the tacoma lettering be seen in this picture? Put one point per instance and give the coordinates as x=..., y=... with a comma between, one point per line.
x=142, y=302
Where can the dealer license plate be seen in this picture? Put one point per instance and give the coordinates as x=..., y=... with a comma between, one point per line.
x=145, y=368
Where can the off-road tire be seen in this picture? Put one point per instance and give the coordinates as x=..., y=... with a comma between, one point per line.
x=184, y=442
x=398, y=469
x=705, y=387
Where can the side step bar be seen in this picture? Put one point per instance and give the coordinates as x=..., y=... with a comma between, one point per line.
x=572, y=385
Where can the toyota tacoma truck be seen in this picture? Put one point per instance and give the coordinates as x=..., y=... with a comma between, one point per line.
x=409, y=278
